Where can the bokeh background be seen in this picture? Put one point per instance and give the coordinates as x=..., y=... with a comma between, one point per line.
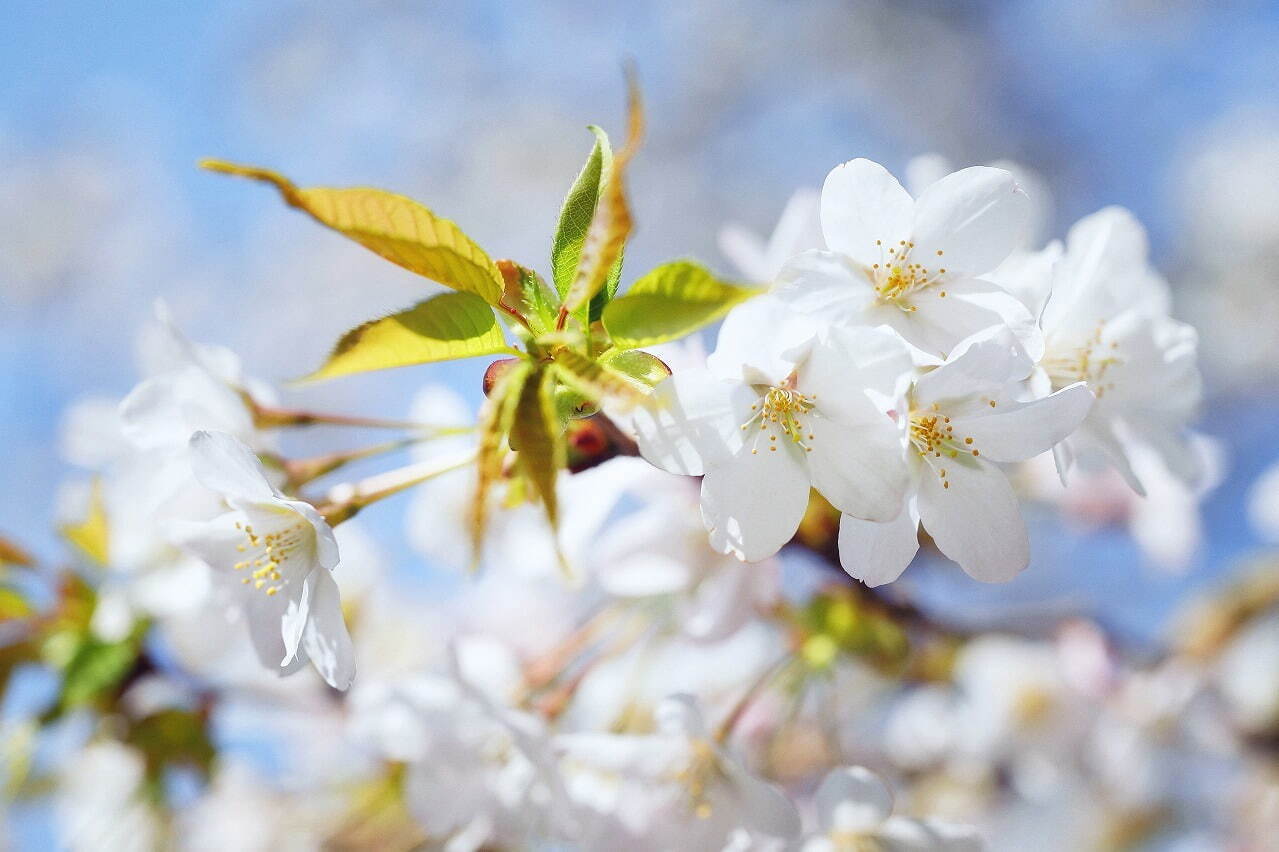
x=479, y=109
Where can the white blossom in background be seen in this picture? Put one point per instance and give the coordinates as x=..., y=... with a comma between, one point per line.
x=101, y=803
x=961, y=420
x=657, y=557
x=282, y=552
x=914, y=265
x=798, y=229
x=674, y=788
x=779, y=411
x=1166, y=523
x=1107, y=323
x=855, y=811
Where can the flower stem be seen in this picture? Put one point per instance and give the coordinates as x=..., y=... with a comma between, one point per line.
x=345, y=500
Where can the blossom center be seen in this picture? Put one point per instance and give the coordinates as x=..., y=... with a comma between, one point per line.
x=897, y=277
x=933, y=437
x=267, y=555
x=781, y=411
x=698, y=775
x=1086, y=362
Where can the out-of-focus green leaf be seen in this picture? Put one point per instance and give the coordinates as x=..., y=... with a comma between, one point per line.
x=173, y=737
x=610, y=223
x=537, y=439
x=397, y=228
x=95, y=668
x=13, y=605
x=672, y=301
x=442, y=328
x=91, y=535
x=494, y=428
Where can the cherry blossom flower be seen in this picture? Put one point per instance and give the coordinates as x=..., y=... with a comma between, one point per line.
x=776, y=412
x=914, y=265
x=674, y=788
x=283, y=553
x=962, y=420
x=1106, y=323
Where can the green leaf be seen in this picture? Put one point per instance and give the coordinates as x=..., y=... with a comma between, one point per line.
x=494, y=427
x=577, y=212
x=610, y=222
x=95, y=668
x=596, y=381
x=442, y=328
x=393, y=226
x=673, y=300
x=526, y=294
x=173, y=737
x=637, y=364
x=537, y=440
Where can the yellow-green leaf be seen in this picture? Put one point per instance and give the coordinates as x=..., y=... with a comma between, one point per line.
x=596, y=381
x=537, y=440
x=639, y=365
x=393, y=226
x=441, y=328
x=494, y=428
x=90, y=536
x=526, y=297
x=611, y=221
x=673, y=300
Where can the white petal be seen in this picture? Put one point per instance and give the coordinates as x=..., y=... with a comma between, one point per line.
x=723, y=601
x=862, y=203
x=764, y=808
x=680, y=714
x=975, y=216
x=878, y=553
x=326, y=545
x=847, y=362
x=753, y=503
x=982, y=365
x=859, y=469
x=825, y=284
x=1016, y=431
x=325, y=638
x=758, y=339
x=297, y=610
x=746, y=251
x=902, y=834
x=226, y=465
x=690, y=422
x=938, y=324
x=852, y=799
x=976, y=521
x=215, y=541
x=1028, y=275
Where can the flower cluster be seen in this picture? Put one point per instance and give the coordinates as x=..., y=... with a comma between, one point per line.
x=604, y=679
x=898, y=369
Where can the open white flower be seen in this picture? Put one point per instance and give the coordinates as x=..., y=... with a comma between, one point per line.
x=778, y=412
x=675, y=788
x=855, y=811
x=962, y=419
x=914, y=265
x=1106, y=323
x=282, y=552
x=798, y=229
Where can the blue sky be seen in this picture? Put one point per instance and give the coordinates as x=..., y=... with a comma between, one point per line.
x=479, y=109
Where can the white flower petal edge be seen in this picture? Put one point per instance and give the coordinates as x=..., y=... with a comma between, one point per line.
x=282, y=551
x=909, y=264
